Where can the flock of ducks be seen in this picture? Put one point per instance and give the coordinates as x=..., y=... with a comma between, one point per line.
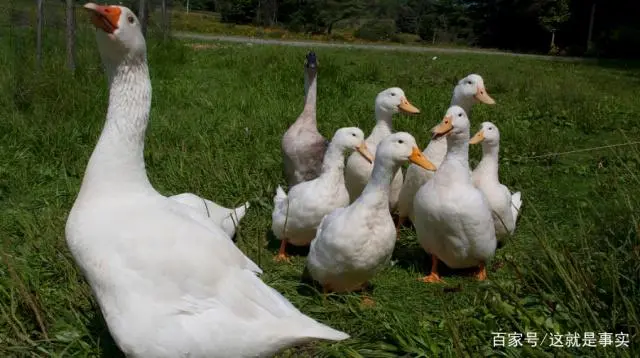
x=169, y=280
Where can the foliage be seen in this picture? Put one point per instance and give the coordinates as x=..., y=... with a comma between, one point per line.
x=376, y=30
x=238, y=11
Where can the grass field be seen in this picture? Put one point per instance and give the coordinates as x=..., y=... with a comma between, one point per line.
x=218, y=114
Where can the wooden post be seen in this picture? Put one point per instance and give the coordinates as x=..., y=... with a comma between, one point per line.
x=593, y=14
x=142, y=16
x=71, y=35
x=39, y=25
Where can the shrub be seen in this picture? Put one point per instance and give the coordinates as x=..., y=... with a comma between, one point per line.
x=376, y=30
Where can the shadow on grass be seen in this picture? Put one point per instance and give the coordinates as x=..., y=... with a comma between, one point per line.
x=273, y=244
x=98, y=328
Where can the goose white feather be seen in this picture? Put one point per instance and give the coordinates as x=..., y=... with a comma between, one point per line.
x=358, y=170
x=504, y=205
x=452, y=217
x=227, y=219
x=466, y=93
x=296, y=216
x=169, y=282
x=355, y=242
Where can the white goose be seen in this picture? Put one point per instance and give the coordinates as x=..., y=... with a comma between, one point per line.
x=355, y=242
x=358, y=170
x=169, y=282
x=504, y=205
x=296, y=216
x=303, y=146
x=466, y=93
x=452, y=217
x=227, y=219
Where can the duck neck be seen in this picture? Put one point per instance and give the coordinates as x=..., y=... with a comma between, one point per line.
x=376, y=192
x=464, y=102
x=488, y=166
x=333, y=165
x=382, y=129
x=310, y=95
x=118, y=158
x=455, y=167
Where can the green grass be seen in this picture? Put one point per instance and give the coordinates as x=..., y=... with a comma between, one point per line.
x=218, y=114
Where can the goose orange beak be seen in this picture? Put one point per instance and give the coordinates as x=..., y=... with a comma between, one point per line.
x=482, y=96
x=419, y=159
x=477, y=138
x=407, y=107
x=445, y=127
x=364, y=151
x=105, y=18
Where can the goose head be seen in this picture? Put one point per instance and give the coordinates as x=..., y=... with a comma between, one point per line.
x=488, y=134
x=118, y=33
x=454, y=125
x=471, y=88
x=352, y=138
x=400, y=147
x=393, y=100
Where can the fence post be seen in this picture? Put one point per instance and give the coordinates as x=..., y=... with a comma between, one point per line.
x=39, y=25
x=71, y=35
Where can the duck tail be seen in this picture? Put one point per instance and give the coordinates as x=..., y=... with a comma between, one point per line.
x=516, y=204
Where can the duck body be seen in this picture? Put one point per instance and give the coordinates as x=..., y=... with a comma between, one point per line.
x=303, y=146
x=228, y=219
x=505, y=206
x=452, y=217
x=352, y=244
x=169, y=281
x=358, y=170
x=296, y=215
x=466, y=93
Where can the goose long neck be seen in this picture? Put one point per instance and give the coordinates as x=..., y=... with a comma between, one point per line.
x=117, y=161
x=310, y=94
x=488, y=166
x=376, y=192
x=333, y=164
x=455, y=167
x=382, y=129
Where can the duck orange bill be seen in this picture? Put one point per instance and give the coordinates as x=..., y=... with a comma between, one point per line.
x=407, y=107
x=482, y=96
x=477, y=138
x=105, y=18
x=445, y=127
x=364, y=151
x=419, y=159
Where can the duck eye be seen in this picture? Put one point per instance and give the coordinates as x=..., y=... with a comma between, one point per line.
x=459, y=114
x=393, y=93
x=490, y=128
x=130, y=18
x=469, y=82
x=400, y=141
x=353, y=134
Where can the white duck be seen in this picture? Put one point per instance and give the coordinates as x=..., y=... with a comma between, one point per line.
x=227, y=219
x=358, y=170
x=169, y=282
x=467, y=92
x=452, y=217
x=303, y=146
x=296, y=216
x=355, y=242
x=504, y=205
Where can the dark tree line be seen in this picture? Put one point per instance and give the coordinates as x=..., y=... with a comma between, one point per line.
x=520, y=25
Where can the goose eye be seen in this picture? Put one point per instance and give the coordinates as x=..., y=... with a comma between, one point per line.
x=400, y=141
x=393, y=94
x=490, y=128
x=459, y=114
x=469, y=82
x=130, y=19
x=353, y=134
